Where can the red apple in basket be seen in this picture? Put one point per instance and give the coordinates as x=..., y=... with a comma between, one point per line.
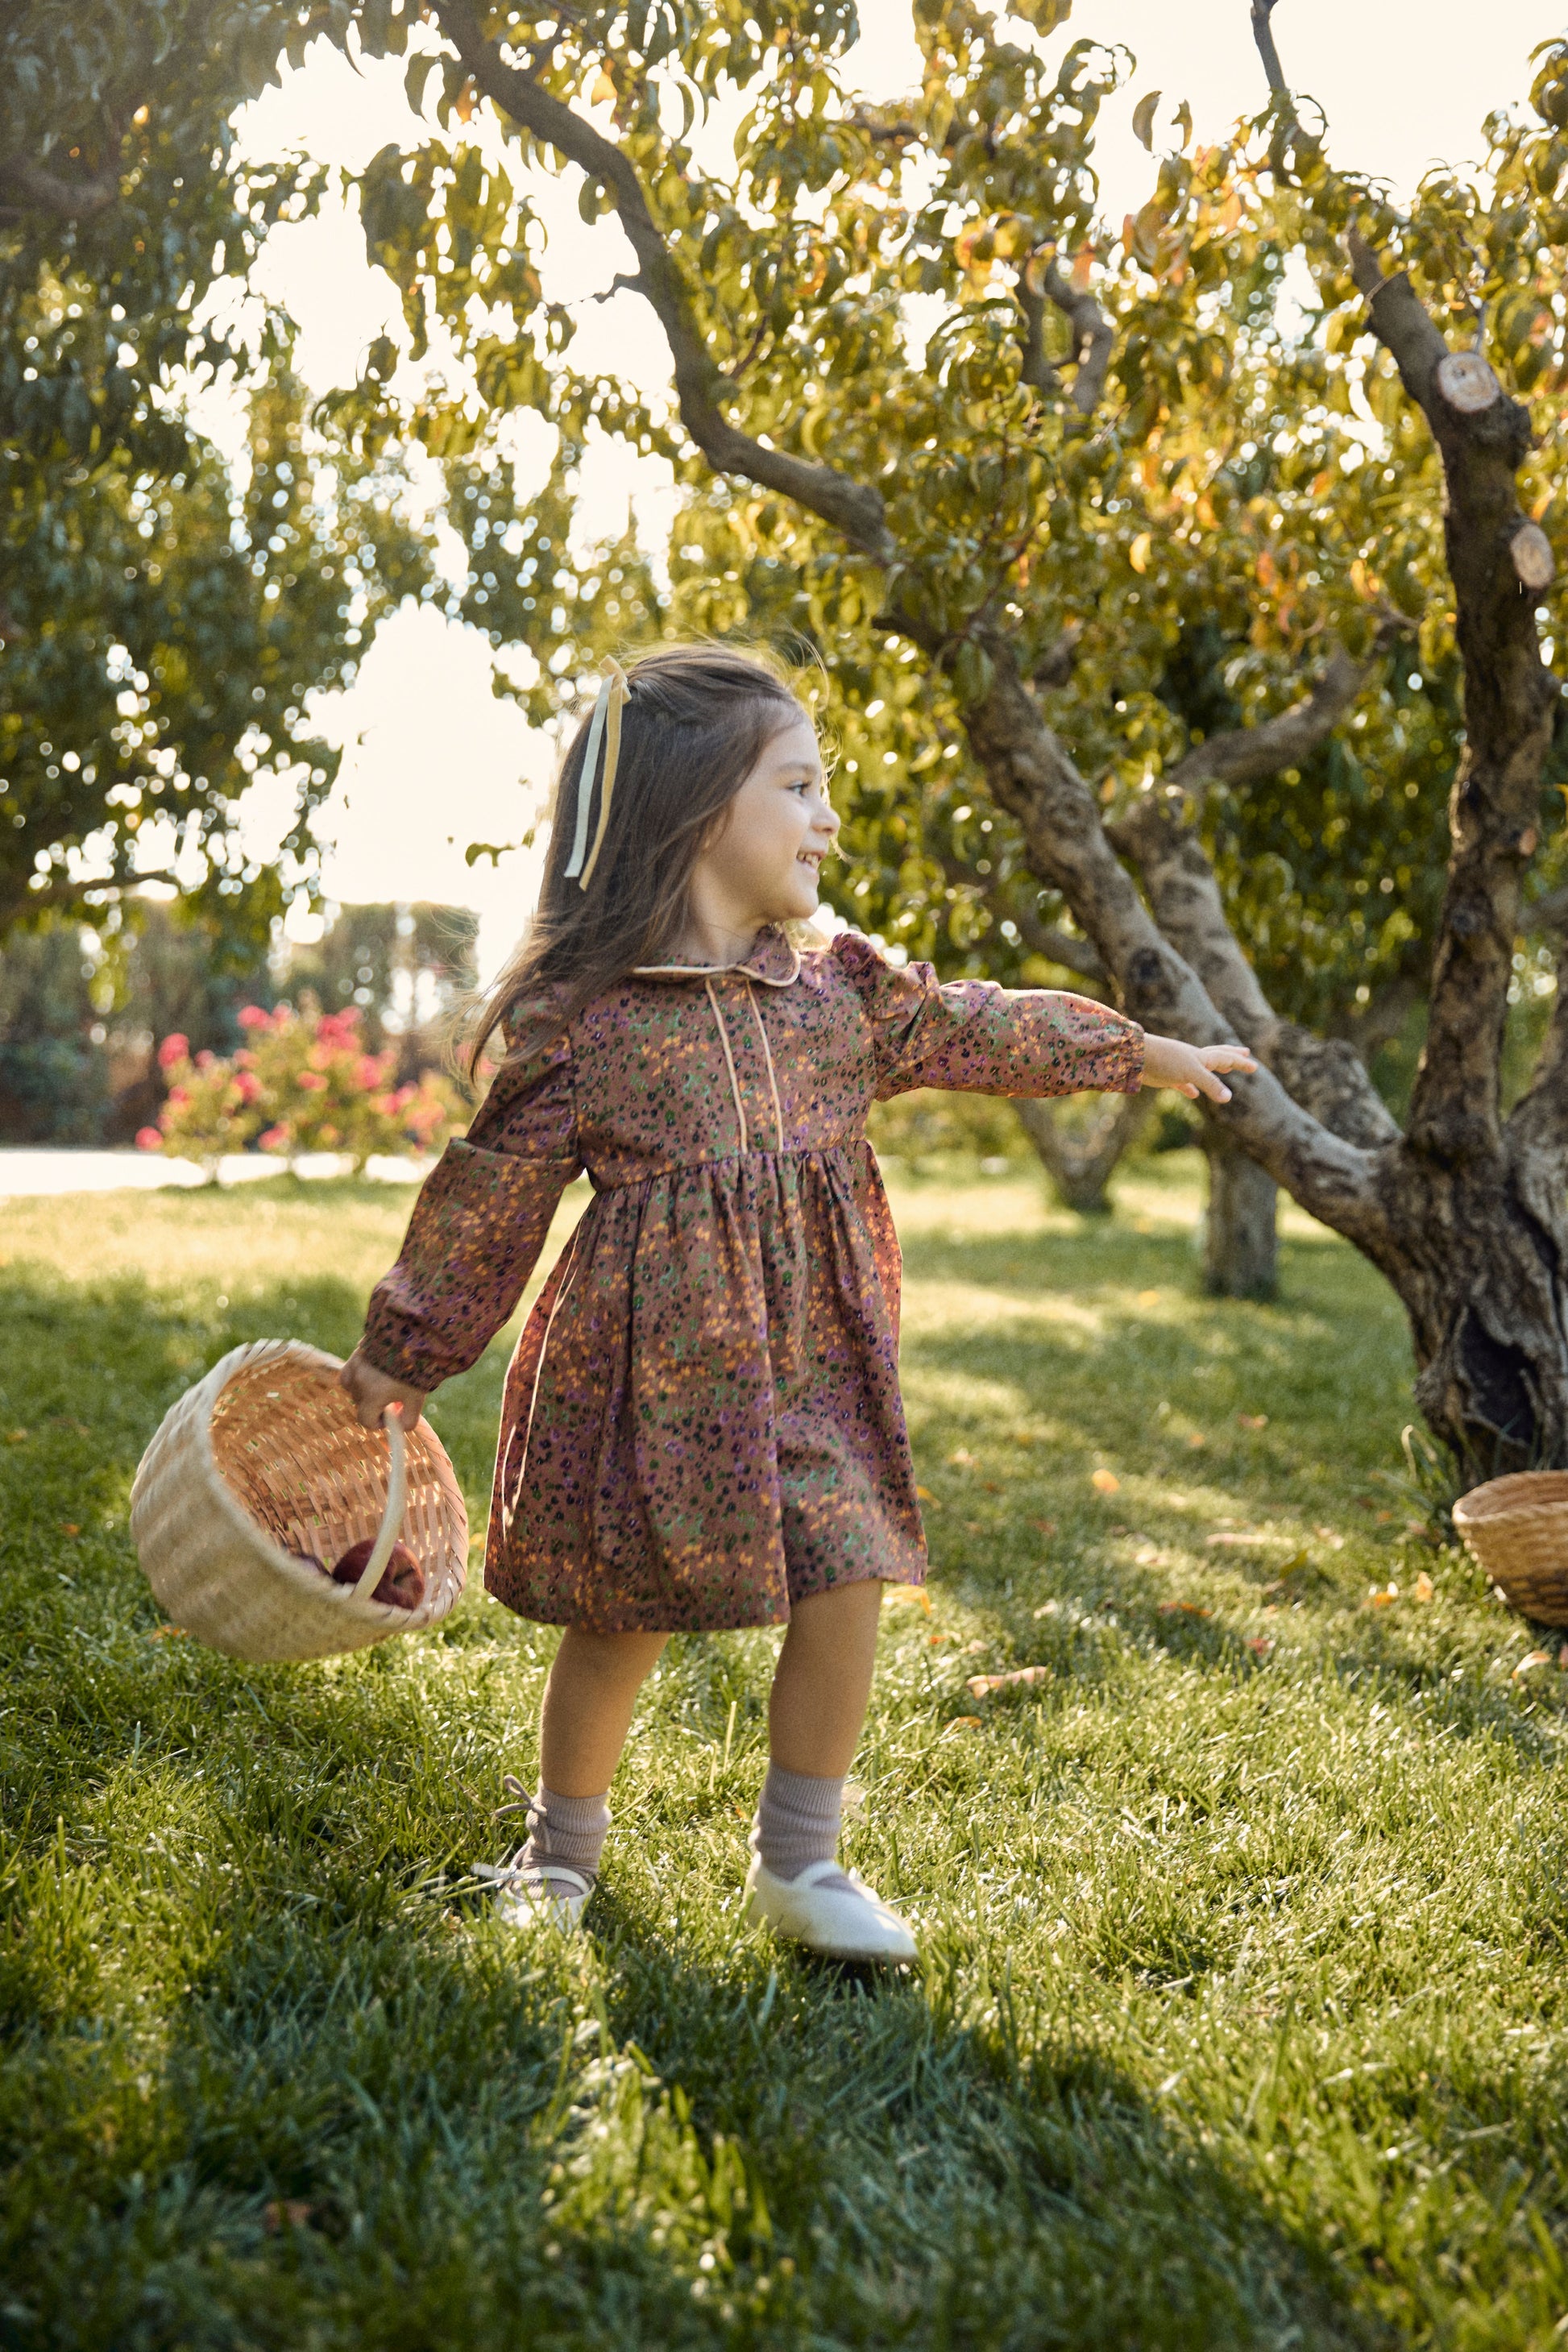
x=402, y=1584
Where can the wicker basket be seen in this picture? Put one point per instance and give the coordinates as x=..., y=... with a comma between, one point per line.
x=1517, y=1529
x=264, y=1458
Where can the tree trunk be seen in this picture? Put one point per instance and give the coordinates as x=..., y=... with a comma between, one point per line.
x=1479, y=1255
x=1241, y=1255
x=1079, y=1165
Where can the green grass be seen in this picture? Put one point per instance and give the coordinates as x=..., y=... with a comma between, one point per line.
x=1240, y=2019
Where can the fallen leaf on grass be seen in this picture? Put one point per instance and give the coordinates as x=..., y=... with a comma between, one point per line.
x=1105, y=1482
x=1259, y=1644
x=1150, y=1555
x=961, y=1458
x=1235, y=1535
x=1054, y=1609
x=1382, y=1597
x=1183, y=1609
x=168, y=1633
x=1148, y=1298
x=1533, y=1658
x=69, y=1527
x=925, y=1493
x=1253, y=1420
x=934, y=1638
x=981, y=1686
x=1197, y=1437
x=961, y=1722
x=294, y=2210
x=1045, y=1526
x=1423, y=1589
x=17, y=1436
x=913, y=1596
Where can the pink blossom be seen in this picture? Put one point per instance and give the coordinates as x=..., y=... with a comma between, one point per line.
x=370, y=1071
x=312, y=1081
x=247, y=1088
x=178, y=1097
x=251, y=1016
x=174, y=1048
x=149, y=1139
x=206, y=1059
x=276, y=1139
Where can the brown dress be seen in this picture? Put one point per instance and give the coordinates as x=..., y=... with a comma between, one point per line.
x=702, y=1422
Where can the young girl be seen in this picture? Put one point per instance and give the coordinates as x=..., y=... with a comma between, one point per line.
x=701, y=1426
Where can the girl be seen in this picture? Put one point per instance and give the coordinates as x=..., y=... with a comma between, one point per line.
x=701, y=1424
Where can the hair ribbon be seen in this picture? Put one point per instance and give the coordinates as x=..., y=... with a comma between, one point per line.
x=604, y=728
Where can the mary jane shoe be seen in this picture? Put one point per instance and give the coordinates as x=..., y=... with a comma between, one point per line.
x=845, y=1921
x=548, y=1891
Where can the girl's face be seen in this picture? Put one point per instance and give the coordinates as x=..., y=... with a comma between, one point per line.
x=761, y=865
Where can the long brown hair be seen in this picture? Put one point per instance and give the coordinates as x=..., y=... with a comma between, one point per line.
x=697, y=722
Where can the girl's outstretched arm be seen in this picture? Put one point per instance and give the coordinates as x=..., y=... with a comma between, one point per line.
x=971, y=1037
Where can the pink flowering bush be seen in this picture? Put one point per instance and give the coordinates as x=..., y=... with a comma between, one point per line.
x=322, y=1092
x=210, y=1107
x=302, y=1082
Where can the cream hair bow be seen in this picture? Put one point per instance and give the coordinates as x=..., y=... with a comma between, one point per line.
x=605, y=727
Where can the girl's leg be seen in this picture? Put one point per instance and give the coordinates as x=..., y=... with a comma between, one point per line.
x=588, y=1702
x=814, y=1717
x=823, y=1683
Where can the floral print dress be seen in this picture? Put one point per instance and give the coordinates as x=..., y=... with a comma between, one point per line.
x=702, y=1422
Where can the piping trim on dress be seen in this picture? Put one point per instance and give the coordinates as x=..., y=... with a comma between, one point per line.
x=768, y=1057
x=729, y=1066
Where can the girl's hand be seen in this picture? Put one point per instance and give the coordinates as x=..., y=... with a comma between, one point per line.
x=1190, y=1069
x=372, y=1391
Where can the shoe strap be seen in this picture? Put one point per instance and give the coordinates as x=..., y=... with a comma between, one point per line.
x=816, y=1872
x=546, y=1870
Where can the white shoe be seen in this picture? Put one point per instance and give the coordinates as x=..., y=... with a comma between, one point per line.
x=551, y=1890
x=846, y=1922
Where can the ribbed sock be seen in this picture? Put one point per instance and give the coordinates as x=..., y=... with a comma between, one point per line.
x=797, y=1821
x=566, y=1828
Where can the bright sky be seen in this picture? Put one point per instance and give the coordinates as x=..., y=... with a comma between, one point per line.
x=433, y=760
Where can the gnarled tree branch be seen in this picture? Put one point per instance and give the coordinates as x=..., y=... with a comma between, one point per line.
x=1093, y=340
x=1032, y=776
x=851, y=507
x=1326, y=1076
x=1263, y=33
x=1248, y=755
x=28, y=187
x=1482, y=436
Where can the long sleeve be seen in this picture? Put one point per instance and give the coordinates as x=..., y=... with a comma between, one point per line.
x=478, y=1225
x=971, y=1037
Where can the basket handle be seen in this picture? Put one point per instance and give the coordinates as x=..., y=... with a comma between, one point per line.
x=396, y=1503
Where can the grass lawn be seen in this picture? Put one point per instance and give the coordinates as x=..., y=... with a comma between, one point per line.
x=1241, y=2019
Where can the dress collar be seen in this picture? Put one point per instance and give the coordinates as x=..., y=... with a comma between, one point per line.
x=773, y=960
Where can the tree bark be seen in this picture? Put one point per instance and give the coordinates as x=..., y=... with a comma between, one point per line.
x=1079, y=1166
x=1241, y=1240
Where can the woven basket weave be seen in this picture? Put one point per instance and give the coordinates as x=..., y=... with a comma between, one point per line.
x=1517, y=1529
x=262, y=1458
